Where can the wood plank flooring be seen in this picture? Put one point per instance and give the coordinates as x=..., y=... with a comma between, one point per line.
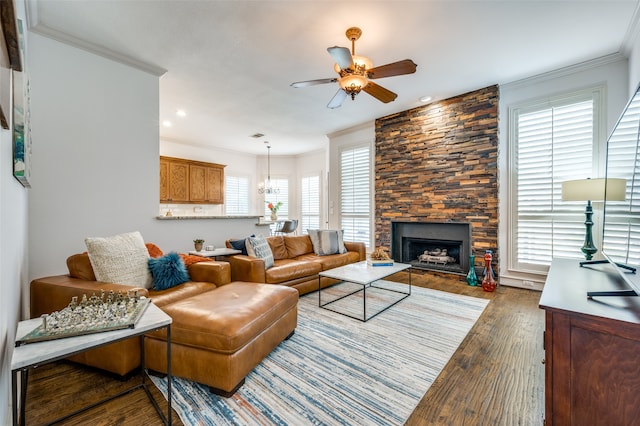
x=496, y=376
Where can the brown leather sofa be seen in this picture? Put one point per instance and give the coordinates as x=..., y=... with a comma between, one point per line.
x=295, y=263
x=220, y=331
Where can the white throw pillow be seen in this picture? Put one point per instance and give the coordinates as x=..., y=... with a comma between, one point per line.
x=120, y=259
x=327, y=241
x=259, y=247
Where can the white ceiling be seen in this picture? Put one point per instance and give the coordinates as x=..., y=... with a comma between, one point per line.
x=229, y=64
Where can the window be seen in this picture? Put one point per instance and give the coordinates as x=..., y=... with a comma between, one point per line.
x=283, y=197
x=236, y=195
x=310, y=203
x=622, y=218
x=552, y=141
x=355, y=166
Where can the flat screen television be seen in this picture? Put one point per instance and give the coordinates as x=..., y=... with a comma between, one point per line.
x=621, y=224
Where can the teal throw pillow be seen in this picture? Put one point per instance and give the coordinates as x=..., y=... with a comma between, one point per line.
x=168, y=271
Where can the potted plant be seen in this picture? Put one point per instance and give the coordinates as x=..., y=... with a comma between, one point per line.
x=274, y=209
x=197, y=243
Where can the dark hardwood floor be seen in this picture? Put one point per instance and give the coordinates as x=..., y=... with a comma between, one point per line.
x=496, y=377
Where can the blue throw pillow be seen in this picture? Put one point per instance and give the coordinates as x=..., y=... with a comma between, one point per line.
x=168, y=271
x=240, y=245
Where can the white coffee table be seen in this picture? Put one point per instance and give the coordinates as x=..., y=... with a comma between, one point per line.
x=366, y=276
x=32, y=355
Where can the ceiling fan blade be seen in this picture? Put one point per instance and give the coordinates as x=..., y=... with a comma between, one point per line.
x=389, y=70
x=338, y=98
x=308, y=83
x=342, y=56
x=379, y=92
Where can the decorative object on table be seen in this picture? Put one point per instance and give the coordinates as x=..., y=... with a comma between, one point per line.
x=472, y=277
x=489, y=282
x=266, y=187
x=593, y=190
x=109, y=311
x=379, y=257
x=197, y=244
x=274, y=209
x=209, y=248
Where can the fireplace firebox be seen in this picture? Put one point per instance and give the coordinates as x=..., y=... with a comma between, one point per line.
x=438, y=246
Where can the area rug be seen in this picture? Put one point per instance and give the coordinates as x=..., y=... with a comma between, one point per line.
x=337, y=370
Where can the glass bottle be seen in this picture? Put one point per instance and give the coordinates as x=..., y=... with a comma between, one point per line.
x=488, y=282
x=472, y=278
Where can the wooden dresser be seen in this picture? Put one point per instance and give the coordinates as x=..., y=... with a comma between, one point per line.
x=592, y=348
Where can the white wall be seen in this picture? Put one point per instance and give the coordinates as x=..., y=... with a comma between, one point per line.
x=611, y=71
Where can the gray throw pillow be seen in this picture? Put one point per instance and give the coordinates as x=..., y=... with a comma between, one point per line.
x=259, y=247
x=327, y=241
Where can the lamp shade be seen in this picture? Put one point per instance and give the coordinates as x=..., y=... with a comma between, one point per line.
x=594, y=189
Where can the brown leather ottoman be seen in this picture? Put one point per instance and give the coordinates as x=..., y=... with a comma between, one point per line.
x=219, y=336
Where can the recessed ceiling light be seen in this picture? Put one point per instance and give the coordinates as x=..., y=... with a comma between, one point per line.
x=166, y=123
x=425, y=99
x=181, y=113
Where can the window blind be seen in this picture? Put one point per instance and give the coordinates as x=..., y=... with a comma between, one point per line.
x=554, y=143
x=310, y=203
x=236, y=195
x=355, y=177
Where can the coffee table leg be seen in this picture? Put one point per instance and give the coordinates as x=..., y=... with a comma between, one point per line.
x=169, y=379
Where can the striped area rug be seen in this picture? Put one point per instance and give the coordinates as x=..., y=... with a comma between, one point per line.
x=337, y=370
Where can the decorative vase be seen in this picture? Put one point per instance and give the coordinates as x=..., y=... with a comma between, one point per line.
x=274, y=216
x=198, y=246
x=488, y=282
x=472, y=278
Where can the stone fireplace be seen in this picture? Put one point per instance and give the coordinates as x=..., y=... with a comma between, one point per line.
x=438, y=164
x=436, y=246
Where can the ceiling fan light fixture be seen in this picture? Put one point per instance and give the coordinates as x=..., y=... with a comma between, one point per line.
x=362, y=62
x=353, y=84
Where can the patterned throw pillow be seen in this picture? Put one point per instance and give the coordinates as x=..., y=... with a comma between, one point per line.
x=259, y=247
x=327, y=241
x=120, y=259
x=168, y=271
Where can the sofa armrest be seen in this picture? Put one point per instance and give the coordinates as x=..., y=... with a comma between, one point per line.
x=218, y=273
x=247, y=268
x=359, y=248
x=54, y=293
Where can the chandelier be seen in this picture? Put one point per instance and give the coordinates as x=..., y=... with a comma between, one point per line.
x=266, y=187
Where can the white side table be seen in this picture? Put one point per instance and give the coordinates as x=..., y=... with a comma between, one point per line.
x=32, y=355
x=216, y=252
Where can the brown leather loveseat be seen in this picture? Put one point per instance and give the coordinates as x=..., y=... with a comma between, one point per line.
x=220, y=331
x=295, y=263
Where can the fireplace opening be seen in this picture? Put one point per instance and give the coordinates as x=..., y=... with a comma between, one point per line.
x=427, y=253
x=439, y=246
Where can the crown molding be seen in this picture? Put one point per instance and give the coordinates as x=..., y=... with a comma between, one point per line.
x=633, y=31
x=34, y=25
x=566, y=71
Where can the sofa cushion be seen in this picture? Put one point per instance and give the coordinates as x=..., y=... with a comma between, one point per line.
x=171, y=295
x=80, y=267
x=332, y=260
x=297, y=245
x=258, y=247
x=291, y=269
x=327, y=241
x=168, y=271
x=120, y=259
x=278, y=248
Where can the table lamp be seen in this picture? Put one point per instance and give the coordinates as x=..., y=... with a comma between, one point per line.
x=593, y=190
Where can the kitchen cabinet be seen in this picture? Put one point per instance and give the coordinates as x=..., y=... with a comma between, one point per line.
x=191, y=182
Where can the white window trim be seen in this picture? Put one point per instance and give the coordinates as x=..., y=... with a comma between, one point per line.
x=598, y=93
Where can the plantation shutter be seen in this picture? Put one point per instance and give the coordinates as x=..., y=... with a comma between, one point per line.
x=554, y=143
x=236, y=195
x=310, y=203
x=355, y=207
x=622, y=218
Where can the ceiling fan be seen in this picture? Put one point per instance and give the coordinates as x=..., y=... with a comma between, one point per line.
x=356, y=72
